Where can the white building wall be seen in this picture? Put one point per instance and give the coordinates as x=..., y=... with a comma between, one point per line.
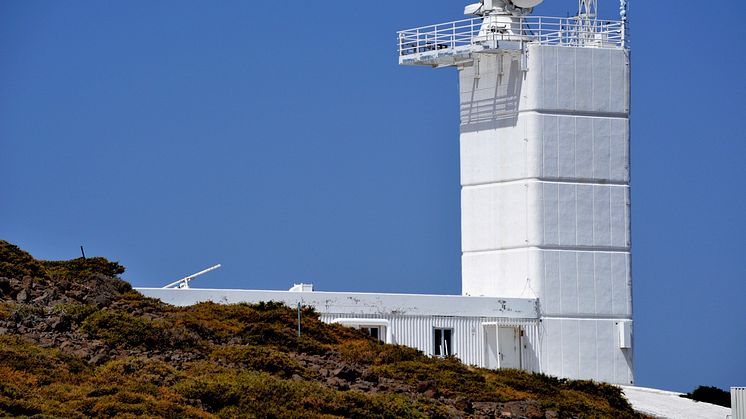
x=585, y=348
x=545, y=197
x=512, y=214
x=468, y=335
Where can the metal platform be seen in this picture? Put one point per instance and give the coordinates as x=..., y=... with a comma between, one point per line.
x=447, y=44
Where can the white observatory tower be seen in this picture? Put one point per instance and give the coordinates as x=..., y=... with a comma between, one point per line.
x=545, y=208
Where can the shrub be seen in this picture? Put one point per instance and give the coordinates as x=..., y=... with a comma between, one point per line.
x=6, y=310
x=262, y=395
x=82, y=268
x=447, y=376
x=26, y=312
x=710, y=394
x=16, y=263
x=137, y=370
x=374, y=352
x=258, y=358
x=46, y=365
x=272, y=324
x=123, y=329
x=542, y=384
x=612, y=394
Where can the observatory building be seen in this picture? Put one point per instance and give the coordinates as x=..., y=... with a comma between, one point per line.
x=546, y=282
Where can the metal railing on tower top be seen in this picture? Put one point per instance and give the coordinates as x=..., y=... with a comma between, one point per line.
x=442, y=44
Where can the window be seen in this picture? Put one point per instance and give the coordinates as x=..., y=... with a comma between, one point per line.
x=373, y=331
x=442, y=341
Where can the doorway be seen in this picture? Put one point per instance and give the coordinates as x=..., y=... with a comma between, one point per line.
x=502, y=346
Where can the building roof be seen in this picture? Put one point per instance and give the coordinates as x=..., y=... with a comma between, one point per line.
x=360, y=303
x=669, y=404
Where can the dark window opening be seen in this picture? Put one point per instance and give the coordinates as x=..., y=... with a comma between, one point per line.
x=374, y=332
x=443, y=343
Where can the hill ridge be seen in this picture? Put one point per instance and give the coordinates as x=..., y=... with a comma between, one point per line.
x=78, y=341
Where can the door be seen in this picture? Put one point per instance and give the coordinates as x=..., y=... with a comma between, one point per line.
x=502, y=346
x=490, y=346
x=509, y=342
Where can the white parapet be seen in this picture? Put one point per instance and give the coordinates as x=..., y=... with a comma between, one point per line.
x=358, y=303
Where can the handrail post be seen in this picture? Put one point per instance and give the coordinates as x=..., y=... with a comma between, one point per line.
x=471, y=32
x=417, y=42
x=453, y=35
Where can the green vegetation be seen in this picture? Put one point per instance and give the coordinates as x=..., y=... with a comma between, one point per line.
x=16, y=263
x=710, y=394
x=258, y=358
x=118, y=328
x=229, y=392
x=125, y=355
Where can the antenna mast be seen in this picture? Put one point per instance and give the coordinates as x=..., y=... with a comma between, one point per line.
x=588, y=9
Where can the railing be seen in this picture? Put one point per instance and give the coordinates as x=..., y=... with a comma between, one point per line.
x=460, y=35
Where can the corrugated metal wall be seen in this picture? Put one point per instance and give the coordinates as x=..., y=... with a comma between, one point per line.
x=738, y=402
x=468, y=335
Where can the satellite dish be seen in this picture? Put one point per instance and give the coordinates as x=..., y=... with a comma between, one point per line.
x=473, y=9
x=526, y=4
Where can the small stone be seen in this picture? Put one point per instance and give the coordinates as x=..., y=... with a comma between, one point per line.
x=333, y=381
x=464, y=405
x=22, y=296
x=370, y=377
x=41, y=298
x=346, y=373
x=81, y=352
x=97, y=359
x=46, y=342
x=534, y=411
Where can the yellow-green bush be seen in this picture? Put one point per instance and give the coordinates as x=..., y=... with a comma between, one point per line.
x=372, y=351
x=6, y=309
x=82, y=268
x=119, y=328
x=254, y=394
x=16, y=263
x=258, y=358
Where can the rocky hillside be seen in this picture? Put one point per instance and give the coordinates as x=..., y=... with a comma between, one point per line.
x=77, y=341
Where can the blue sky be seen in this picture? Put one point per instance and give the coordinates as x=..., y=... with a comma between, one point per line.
x=283, y=141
